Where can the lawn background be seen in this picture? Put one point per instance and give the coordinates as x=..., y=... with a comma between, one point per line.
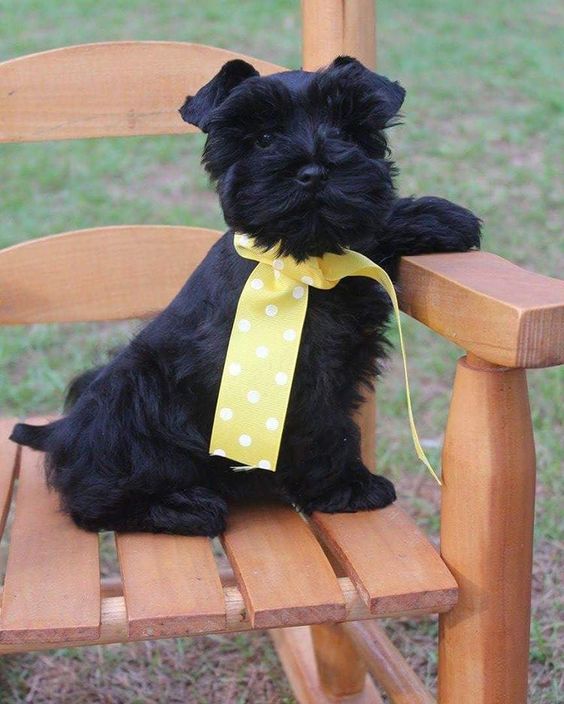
x=483, y=127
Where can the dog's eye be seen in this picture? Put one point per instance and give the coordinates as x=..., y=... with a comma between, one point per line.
x=264, y=140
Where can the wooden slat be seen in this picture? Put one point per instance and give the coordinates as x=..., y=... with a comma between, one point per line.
x=390, y=561
x=281, y=570
x=8, y=459
x=490, y=307
x=114, y=627
x=107, y=89
x=52, y=586
x=171, y=585
x=106, y=273
x=295, y=649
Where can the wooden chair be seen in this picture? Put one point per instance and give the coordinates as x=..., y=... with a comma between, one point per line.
x=318, y=584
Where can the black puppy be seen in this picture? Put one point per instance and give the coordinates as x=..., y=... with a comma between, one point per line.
x=300, y=161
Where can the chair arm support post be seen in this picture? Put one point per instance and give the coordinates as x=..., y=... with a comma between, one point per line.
x=487, y=519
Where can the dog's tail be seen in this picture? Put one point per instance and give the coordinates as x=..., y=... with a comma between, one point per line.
x=37, y=436
x=34, y=436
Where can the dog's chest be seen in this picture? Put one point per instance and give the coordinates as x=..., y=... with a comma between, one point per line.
x=342, y=337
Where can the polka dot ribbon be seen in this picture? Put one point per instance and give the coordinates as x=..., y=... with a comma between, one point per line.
x=263, y=349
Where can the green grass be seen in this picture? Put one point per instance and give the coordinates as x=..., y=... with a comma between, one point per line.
x=483, y=126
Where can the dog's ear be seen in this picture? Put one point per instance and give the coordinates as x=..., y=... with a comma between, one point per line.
x=390, y=93
x=196, y=109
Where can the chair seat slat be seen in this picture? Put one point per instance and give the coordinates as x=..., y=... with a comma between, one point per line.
x=52, y=587
x=171, y=585
x=281, y=569
x=390, y=561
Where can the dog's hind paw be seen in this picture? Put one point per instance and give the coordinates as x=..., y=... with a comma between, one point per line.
x=195, y=511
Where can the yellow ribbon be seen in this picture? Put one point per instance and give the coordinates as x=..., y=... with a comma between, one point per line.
x=263, y=349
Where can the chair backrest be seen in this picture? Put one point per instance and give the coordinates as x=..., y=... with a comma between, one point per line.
x=131, y=89
x=128, y=89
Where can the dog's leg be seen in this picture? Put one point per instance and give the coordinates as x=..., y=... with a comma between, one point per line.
x=336, y=480
x=425, y=226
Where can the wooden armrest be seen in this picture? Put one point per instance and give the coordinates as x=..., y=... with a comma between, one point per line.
x=487, y=305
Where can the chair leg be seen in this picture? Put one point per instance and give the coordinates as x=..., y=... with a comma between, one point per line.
x=486, y=536
x=299, y=656
x=341, y=670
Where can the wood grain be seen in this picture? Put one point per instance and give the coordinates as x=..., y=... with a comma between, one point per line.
x=52, y=586
x=281, y=569
x=359, y=31
x=340, y=668
x=114, y=626
x=388, y=558
x=8, y=465
x=295, y=649
x=488, y=306
x=331, y=28
x=106, y=90
x=386, y=664
x=106, y=273
x=323, y=25
x=171, y=585
x=486, y=537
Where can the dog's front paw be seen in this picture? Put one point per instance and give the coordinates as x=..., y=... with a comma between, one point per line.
x=374, y=491
x=465, y=228
x=431, y=225
x=457, y=228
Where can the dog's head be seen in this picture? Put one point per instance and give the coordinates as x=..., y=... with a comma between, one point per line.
x=299, y=157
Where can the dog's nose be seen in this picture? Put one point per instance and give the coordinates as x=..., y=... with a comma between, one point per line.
x=311, y=176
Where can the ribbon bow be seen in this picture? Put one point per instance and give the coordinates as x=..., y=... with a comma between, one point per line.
x=263, y=349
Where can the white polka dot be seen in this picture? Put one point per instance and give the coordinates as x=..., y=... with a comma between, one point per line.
x=289, y=335
x=244, y=325
x=234, y=369
x=271, y=310
x=257, y=284
x=278, y=264
x=272, y=424
x=276, y=274
x=219, y=453
x=261, y=351
x=243, y=239
x=281, y=378
x=264, y=464
x=253, y=397
x=245, y=440
x=298, y=292
x=226, y=414
x=307, y=280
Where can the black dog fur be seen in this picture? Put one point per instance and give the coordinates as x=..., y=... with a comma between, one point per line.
x=300, y=161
